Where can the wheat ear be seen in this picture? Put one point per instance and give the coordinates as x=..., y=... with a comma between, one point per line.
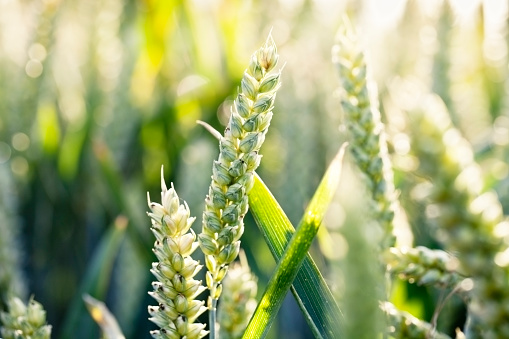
x=24, y=321
x=238, y=301
x=423, y=266
x=175, y=289
x=367, y=136
x=468, y=222
x=403, y=325
x=232, y=173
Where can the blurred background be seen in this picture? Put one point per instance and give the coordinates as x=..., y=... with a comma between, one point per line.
x=96, y=95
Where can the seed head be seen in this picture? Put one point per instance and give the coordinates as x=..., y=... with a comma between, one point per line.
x=175, y=289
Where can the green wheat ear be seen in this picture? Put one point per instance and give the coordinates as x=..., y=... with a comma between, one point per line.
x=367, y=136
x=233, y=172
x=24, y=321
x=423, y=266
x=175, y=289
x=466, y=221
x=238, y=301
x=402, y=325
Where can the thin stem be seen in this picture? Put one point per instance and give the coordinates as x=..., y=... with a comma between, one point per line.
x=442, y=301
x=212, y=319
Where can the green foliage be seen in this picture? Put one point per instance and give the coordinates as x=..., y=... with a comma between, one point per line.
x=96, y=95
x=96, y=279
x=12, y=282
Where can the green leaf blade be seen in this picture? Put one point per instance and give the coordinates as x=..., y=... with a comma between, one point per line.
x=97, y=277
x=309, y=288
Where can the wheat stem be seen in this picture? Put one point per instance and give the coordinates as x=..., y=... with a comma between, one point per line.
x=212, y=318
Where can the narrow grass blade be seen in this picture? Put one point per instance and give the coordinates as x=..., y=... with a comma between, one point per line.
x=309, y=288
x=103, y=317
x=96, y=279
x=112, y=179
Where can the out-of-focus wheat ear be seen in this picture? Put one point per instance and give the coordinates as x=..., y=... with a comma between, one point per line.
x=424, y=266
x=467, y=221
x=238, y=301
x=403, y=325
x=24, y=321
x=367, y=135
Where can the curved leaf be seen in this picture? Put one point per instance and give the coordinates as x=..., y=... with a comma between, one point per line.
x=295, y=265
